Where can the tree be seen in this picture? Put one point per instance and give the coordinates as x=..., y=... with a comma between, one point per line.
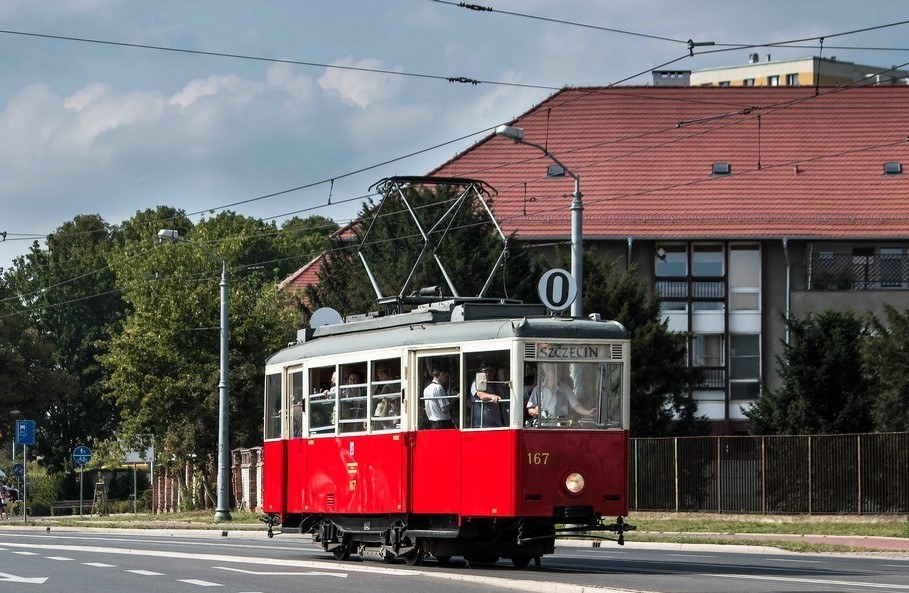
x=69, y=290
x=886, y=362
x=385, y=234
x=661, y=381
x=164, y=364
x=823, y=388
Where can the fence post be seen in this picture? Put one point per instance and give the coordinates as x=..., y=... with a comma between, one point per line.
x=764, y=475
x=858, y=460
x=719, y=475
x=810, y=484
x=675, y=463
x=636, y=501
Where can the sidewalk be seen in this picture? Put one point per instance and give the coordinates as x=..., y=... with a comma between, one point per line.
x=895, y=544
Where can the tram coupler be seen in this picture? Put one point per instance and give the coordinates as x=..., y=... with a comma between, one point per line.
x=271, y=521
x=620, y=527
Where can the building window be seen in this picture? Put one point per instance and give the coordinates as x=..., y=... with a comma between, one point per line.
x=792, y=80
x=891, y=263
x=744, y=277
x=744, y=366
x=671, y=260
x=724, y=83
x=773, y=80
x=748, y=82
x=707, y=260
x=707, y=350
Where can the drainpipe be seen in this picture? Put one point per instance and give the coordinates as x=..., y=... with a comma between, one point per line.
x=628, y=259
x=788, y=285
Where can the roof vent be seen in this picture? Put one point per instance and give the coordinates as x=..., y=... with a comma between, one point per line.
x=721, y=169
x=893, y=168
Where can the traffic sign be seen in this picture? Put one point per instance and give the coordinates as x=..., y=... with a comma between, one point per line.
x=557, y=289
x=25, y=432
x=82, y=455
x=18, y=470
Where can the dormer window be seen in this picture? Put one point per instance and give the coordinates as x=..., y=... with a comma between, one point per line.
x=893, y=168
x=721, y=169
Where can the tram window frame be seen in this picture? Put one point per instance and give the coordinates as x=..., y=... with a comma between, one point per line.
x=445, y=360
x=385, y=396
x=295, y=402
x=273, y=407
x=478, y=412
x=323, y=401
x=353, y=399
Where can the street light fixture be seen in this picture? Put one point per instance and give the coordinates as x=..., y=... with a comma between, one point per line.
x=577, y=211
x=222, y=507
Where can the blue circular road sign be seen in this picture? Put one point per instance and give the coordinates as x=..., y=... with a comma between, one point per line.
x=82, y=455
x=18, y=470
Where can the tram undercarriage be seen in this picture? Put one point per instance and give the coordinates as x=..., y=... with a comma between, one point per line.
x=413, y=537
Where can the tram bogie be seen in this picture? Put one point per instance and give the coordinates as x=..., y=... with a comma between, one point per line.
x=370, y=464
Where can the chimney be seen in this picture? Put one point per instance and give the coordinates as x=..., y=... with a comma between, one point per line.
x=753, y=58
x=768, y=57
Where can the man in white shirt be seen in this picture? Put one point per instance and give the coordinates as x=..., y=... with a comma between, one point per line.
x=438, y=401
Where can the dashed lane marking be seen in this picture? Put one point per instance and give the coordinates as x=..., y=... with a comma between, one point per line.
x=27, y=553
x=147, y=573
x=200, y=583
x=100, y=565
x=60, y=558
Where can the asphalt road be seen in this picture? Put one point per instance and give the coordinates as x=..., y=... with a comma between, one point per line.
x=83, y=561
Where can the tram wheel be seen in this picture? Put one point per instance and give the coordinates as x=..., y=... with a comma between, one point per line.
x=415, y=556
x=342, y=552
x=520, y=561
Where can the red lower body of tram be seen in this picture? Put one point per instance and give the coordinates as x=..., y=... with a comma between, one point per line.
x=477, y=494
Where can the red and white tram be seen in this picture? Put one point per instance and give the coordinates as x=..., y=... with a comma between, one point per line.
x=351, y=456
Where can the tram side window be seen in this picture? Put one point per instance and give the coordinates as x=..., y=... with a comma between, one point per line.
x=322, y=400
x=488, y=405
x=273, y=406
x=353, y=398
x=297, y=407
x=386, y=394
x=439, y=404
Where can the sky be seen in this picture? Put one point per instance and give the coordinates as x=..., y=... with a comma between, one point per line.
x=296, y=107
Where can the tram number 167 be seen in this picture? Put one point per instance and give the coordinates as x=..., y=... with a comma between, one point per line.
x=537, y=458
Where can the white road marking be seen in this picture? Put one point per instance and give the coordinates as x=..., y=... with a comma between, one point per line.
x=11, y=578
x=61, y=558
x=147, y=573
x=845, y=584
x=692, y=555
x=801, y=561
x=99, y=564
x=283, y=573
x=200, y=583
x=27, y=553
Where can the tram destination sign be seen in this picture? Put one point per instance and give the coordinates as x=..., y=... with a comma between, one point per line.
x=572, y=351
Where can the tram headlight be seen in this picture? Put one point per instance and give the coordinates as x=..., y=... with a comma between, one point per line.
x=574, y=483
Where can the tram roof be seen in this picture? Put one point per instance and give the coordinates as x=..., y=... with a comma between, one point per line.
x=445, y=323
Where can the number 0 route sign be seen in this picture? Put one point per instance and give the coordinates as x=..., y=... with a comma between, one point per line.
x=82, y=455
x=557, y=289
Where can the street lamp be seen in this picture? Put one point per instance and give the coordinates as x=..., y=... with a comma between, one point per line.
x=577, y=211
x=222, y=508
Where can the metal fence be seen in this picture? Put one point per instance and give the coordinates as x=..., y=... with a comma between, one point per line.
x=853, y=474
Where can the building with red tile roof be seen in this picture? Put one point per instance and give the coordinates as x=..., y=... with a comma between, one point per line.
x=741, y=205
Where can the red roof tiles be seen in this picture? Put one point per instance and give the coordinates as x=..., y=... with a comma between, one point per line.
x=802, y=165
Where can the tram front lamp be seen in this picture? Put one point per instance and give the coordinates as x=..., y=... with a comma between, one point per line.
x=574, y=483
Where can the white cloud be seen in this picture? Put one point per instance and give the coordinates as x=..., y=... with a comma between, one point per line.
x=236, y=89
x=361, y=88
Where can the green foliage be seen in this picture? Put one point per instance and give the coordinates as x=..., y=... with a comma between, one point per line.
x=886, y=363
x=824, y=389
x=661, y=381
x=164, y=363
x=465, y=242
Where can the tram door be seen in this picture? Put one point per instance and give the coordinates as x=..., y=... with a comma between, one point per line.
x=435, y=452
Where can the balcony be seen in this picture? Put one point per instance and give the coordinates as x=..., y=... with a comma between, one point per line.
x=843, y=271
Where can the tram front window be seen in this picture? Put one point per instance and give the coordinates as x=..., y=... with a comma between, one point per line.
x=574, y=395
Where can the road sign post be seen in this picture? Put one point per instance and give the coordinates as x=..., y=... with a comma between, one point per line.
x=81, y=455
x=25, y=436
